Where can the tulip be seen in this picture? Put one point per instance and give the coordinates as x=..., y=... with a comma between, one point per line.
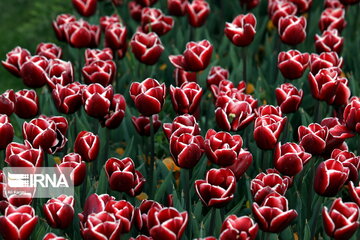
x=325, y=60
x=49, y=50
x=117, y=112
x=80, y=34
x=26, y=103
x=142, y=124
x=86, y=8
x=123, y=177
x=6, y=131
x=87, y=145
x=182, y=76
x=197, y=11
x=141, y=215
x=52, y=236
x=146, y=3
x=350, y=161
x=292, y=29
x=97, y=100
x=74, y=161
x=313, y=138
x=226, y=87
x=59, y=212
x=141, y=237
x=153, y=20
x=216, y=75
x=281, y=9
x=241, y=31
x=332, y=18
x=68, y=99
x=7, y=102
x=288, y=97
x=59, y=72
x=349, y=2
x=250, y=4
x=166, y=223
x=238, y=228
x=302, y=5
x=351, y=114
x=60, y=23
x=241, y=163
x=177, y=7
x=222, y=148
x=122, y=211
x=94, y=204
x=217, y=189
x=15, y=59
x=33, y=71
x=184, y=123
x=267, y=130
x=293, y=63
x=342, y=220
x=329, y=41
x=101, y=72
x=268, y=110
x=18, y=223
x=115, y=38
x=92, y=55
x=195, y=58
x=333, y=4
x=267, y=183
x=23, y=155
x=354, y=193
x=273, y=215
x=146, y=47
x=108, y=20
x=102, y=225
x=186, y=99
x=135, y=10
x=148, y=96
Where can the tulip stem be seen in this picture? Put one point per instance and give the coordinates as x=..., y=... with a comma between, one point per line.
x=80, y=63
x=212, y=222
x=244, y=56
x=152, y=157
x=186, y=189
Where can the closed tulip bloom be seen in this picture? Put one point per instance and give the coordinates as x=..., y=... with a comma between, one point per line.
x=97, y=100
x=182, y=76
x=268, y=110
x=292, y=29
x=227, y=88
x=59, y=212
x=68, y=99
x=74, y=161
x=290, y=158
x=354, y=193
x=52, y=236
x=87, y=145
x=333, y=4
x=329, y=41
x=80, y=34
x=146, y=3
x=98, y=72
x=86, y=8
x=216, y=75
x=267, y=183
x=280, y=9
x=250, y=4
x=115, y=38
x=167, y=223
x=18, y=223
x=217, y=189
x=177, y=7
x=142, y=237
x=15, y=59
x=338, y=133
x=102, y=225
x=117, y=112
x=351, y=114
x=273, y=215
x=26, y=103
x=135, y=10
x=267, y=130
x=59, y=24
x=350, y=161
x=243, y=228
x=342, y=220
x=7, y=102
x=33, y=71
x=146, y=47
x=92, y=55
x=49, y=50
x=184, y=123
x=349, y=2
x=241, y=31
x=186, y=99
x=288, y=97
x=332, y=18
x=148, y=96
x=123, y=211
x=6, y=131
x=153, y=20
x=94, y=204
x=23, y=155
x=302, y=5
x=222, y=148
x=197, y=11
x=293, y=63
x=325, y=60
x=195, y=58
x=108, y=20
x=330, y=176
x=141, y=215
x=59, y=72
x=313, y=138
x=142, y=124
x=241, y=163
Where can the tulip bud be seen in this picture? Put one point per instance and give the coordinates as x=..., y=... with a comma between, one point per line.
x=184, y=123
x=350, y=161
x=80, y=34
x=59, y=212
x=68, y=99
x=333, y=4
x=352, y=114
x=142, y=124
x=141, y=215
x=94, y=204
x=99, y=72
x=186, y=99
x=23, y=155
x=49, y=50
x=86, y=8
x=117, y=112
x=15, y=59
x=325, y=60
x=177, y=7
x=92, y=55
x=60, y=23
x=216, y=75
x=338, y=133
x=293, y=63
x=238, y=228
x=153, y=20
x=267, y=130
x=102, y=224
x=182, y=76
x=313, y=138
x=241, y=163
x=33, y=71
x=122, y=211
x=241, y=31
x=332, y=18
x=146, y=47
x=115, y=38
x=292, y=29
x=74, y=161
x=135, y=10
x=26, y=103
x=197, y=11
x=6, y=131
x=7, y=102
x=87, y=145
x=280, y=9
x=288, y=97
x=108, y=20
x=97, y=100
x=329, y=41
x=59, y=72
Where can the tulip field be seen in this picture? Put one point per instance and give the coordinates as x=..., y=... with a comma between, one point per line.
x=186, y=119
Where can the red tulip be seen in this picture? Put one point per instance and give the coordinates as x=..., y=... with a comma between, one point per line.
x=7, y=102
x=267, y=183
x=141, y=215
x=18, y=223
x=108, y=20
x=267, y=130
x=117, y=112
x=338, y=133
x=217, y=189
x=92, y=55
x=325, y=60
x=216, y=75
x=23, y=155
x=49, y=50
x=186, y=99
x=123, y=177
x=52, y=236
x=115, y=38
x=135, y=10
x=142, y=124
x=59, y=72
x=33, y=71
x=279, y=9
x=350, y=161
x=329, y=41
x=302, y=5
x=292, y=29
x=148, y=96
x=313, y=138
x=142, y=237
x=166, y=223
x=146, y=3
x=153, y=20
x=293, y=63
x=288, y=97
x=349, y=2
x=87, y=145
x=101, y=72
x=197, y=11
x=333, y=4
x=60, y=23
x=97, y=100
x=80, y=34
x=354, y=193
x=352, y=114
x=59, y=212
x=102, y=225
x=74, y=161
x=195, y=58
x=184, y=123
x=26, y=103
x=15, y=59
x=182, y=76
x=250, y=4
x=177, y=7
x=273, y=215
x=86, y=8
x=332, y=18
x=122, y=211
x=6, y=131
x=68, y=99
x=342, y=220
x=222, y=148
x=241, y=163
x=241, y=31
x=146, y=47
x=94, y=204
x=226, y=87
x=238, y=228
